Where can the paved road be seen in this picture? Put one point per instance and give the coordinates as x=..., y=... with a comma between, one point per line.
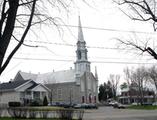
x=108, y=113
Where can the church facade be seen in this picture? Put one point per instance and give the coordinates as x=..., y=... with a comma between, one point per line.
x=77, y=85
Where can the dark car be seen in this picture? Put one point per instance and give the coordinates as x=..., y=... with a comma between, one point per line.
x=93, y=106
x=85, y=106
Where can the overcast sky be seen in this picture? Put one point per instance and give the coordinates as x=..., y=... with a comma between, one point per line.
x=102, y=22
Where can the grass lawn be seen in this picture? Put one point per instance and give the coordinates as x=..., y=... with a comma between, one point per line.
x=144, y=107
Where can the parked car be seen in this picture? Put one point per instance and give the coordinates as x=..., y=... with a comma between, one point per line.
x=147, y=103
x=93, y=106
x=85, y=106
x=134, y=103
x=78, y=106
x=112, y=103
x=154, y=104
x=52, y=104
x=119, y=106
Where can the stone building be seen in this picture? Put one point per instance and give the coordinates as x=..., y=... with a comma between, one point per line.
x=77, y=85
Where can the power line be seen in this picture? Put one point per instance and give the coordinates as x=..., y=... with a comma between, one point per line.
x=107, y=29
x=63, y=60
x=71, y=45
x=90, y=57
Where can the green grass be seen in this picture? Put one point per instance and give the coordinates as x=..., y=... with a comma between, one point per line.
x=143, y=107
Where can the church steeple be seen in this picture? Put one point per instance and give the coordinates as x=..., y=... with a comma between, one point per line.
x=81, y=51
x=82, y=64
x=80, y=33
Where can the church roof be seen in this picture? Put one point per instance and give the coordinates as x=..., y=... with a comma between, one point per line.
x=26, y=75
x=57, y=77
x=51, y=77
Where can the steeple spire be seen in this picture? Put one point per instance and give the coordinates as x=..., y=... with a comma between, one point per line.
x=80, y=33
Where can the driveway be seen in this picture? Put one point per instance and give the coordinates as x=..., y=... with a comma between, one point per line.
x=109, y=113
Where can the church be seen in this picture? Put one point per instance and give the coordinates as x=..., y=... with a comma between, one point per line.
x=77, y=85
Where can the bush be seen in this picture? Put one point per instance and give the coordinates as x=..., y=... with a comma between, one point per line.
x=14, y=104
x=45, y=102
x=17, y=112
x=34, y=103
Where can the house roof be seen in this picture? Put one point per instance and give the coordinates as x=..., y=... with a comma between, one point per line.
x=33, y=86
x=125, y=90
x=11, y=85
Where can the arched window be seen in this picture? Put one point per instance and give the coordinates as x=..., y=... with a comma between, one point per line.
x=79, y=54
x=86, y=55
x=94, y=99
x=83, y=99
x=90, y=98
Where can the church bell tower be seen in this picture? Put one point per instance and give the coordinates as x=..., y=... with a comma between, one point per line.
x=82, y=64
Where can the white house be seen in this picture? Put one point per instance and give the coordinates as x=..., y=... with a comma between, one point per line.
x=23, y=91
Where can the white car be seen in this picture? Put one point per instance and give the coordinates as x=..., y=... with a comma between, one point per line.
x=134, y=103
x=112, y=103
x=154, y=104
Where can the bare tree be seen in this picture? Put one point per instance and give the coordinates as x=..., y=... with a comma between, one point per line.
x=152, y=73
x=114, y=80
x=128, y=76
x=140, y=77
x=17, y=18
x=141, y=10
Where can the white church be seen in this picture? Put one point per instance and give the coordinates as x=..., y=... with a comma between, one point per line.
x=77, y=85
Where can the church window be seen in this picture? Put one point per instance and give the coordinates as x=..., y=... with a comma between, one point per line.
x=59, y=93
x=71, y=94
x=94, y=99
x=90, y=98
x=79, y=54
x=94, y=86
x=86, y=55
x=83, y=100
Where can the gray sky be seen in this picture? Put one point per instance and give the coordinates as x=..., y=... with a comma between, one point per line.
x=102, y=22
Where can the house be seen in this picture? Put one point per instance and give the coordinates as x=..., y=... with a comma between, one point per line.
x=23, y=91
x=78, y=85
x=131, y=95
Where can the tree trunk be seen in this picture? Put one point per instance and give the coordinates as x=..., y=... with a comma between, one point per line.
x=8, y=30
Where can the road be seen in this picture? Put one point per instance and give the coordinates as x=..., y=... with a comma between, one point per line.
x=109, y=113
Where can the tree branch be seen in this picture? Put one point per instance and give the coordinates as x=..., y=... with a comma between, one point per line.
x=22, y=39
x=24, y=43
